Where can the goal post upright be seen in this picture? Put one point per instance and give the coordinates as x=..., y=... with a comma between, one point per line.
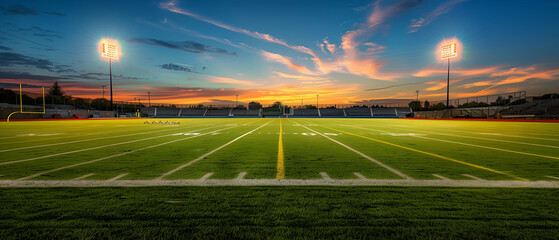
x=21, y=104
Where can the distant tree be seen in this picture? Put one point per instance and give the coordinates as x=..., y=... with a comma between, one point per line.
x=426, y=105
x=254, y=105
x=415, y=105
x=277, y=104
x=56, y=90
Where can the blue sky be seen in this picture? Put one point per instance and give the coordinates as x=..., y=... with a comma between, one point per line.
x=345, y=51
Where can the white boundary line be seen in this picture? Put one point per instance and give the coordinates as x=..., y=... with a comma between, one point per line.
x=118, y=177
x=84, y=176
x=472, y=177
x=241, y=176
x=209, y=153
x=120, y=154
x=441, y=177
x=552, y=177
x=92, y=148
x=361, y=154
x=283, y=182
x=359, y=175
x=206, y=176
x=325, y=176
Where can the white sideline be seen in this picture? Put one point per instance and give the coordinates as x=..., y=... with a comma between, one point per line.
x=361, y=154
x=117, y=177
x=209, y=153
x=120, y=154
x=359, y=175
x=471, y=176
x=325, y=176
x=283, y=182
x=441, y=177
x=89, y=139
x=84, y=176
x=206, y=176
x=552, y=177
x=87, y=149
x=241, y=176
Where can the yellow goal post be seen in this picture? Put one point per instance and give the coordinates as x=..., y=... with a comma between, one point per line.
x=21, y=104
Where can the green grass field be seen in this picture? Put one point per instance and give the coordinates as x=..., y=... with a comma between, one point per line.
x=416, y=149
x=272, y=151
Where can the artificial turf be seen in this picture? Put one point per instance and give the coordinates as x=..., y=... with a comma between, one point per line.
x=279, y=213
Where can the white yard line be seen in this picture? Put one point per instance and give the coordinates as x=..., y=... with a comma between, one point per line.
x=462, y=136
x=361, y=154
x=117, y=177
x=241, y=176
x=88, y=149
x=359, y=175
x=441, y=177
x=209, y=153
x=283, y=182
x=206, y=176
x=472, y=177
x=552, y=177
x=486, y=147
x=89, y=139
x=325, y=176
x=84, y=176
x=118, y=155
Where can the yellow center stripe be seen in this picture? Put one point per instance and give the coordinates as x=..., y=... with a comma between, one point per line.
x=281, y=171
x=431, y=154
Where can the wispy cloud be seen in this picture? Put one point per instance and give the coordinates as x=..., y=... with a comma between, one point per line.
x=187, y=46
x=300, y=77
x=430, y=72
x=175, y=67
x=226, y=80
x=418, y=23
x=172, y=6
x=18, y=9
x=273, y=57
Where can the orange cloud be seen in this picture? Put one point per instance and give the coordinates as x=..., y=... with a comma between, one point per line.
x=300, y=77
x=274, y=57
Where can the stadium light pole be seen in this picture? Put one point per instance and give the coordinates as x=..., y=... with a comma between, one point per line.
x=109, y=49
x=448, y=51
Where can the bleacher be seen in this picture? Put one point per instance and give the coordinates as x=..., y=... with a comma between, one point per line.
x=167, y=112
x=403, y=111
x=218, y=112
x=148, y=111
x=305, y=112
x=193, y=112
x=358, y=111
x=244, y=112
x=331, y=112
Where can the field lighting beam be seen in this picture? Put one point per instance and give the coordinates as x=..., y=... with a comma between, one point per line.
x=448, y=51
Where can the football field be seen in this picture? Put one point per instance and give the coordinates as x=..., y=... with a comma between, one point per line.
x=271, y=178
x=272, y=151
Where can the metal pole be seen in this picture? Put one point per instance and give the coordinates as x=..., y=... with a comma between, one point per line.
x=448, y=83
x=111, y=80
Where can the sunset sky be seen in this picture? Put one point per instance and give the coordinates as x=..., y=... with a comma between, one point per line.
x=348, y=52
